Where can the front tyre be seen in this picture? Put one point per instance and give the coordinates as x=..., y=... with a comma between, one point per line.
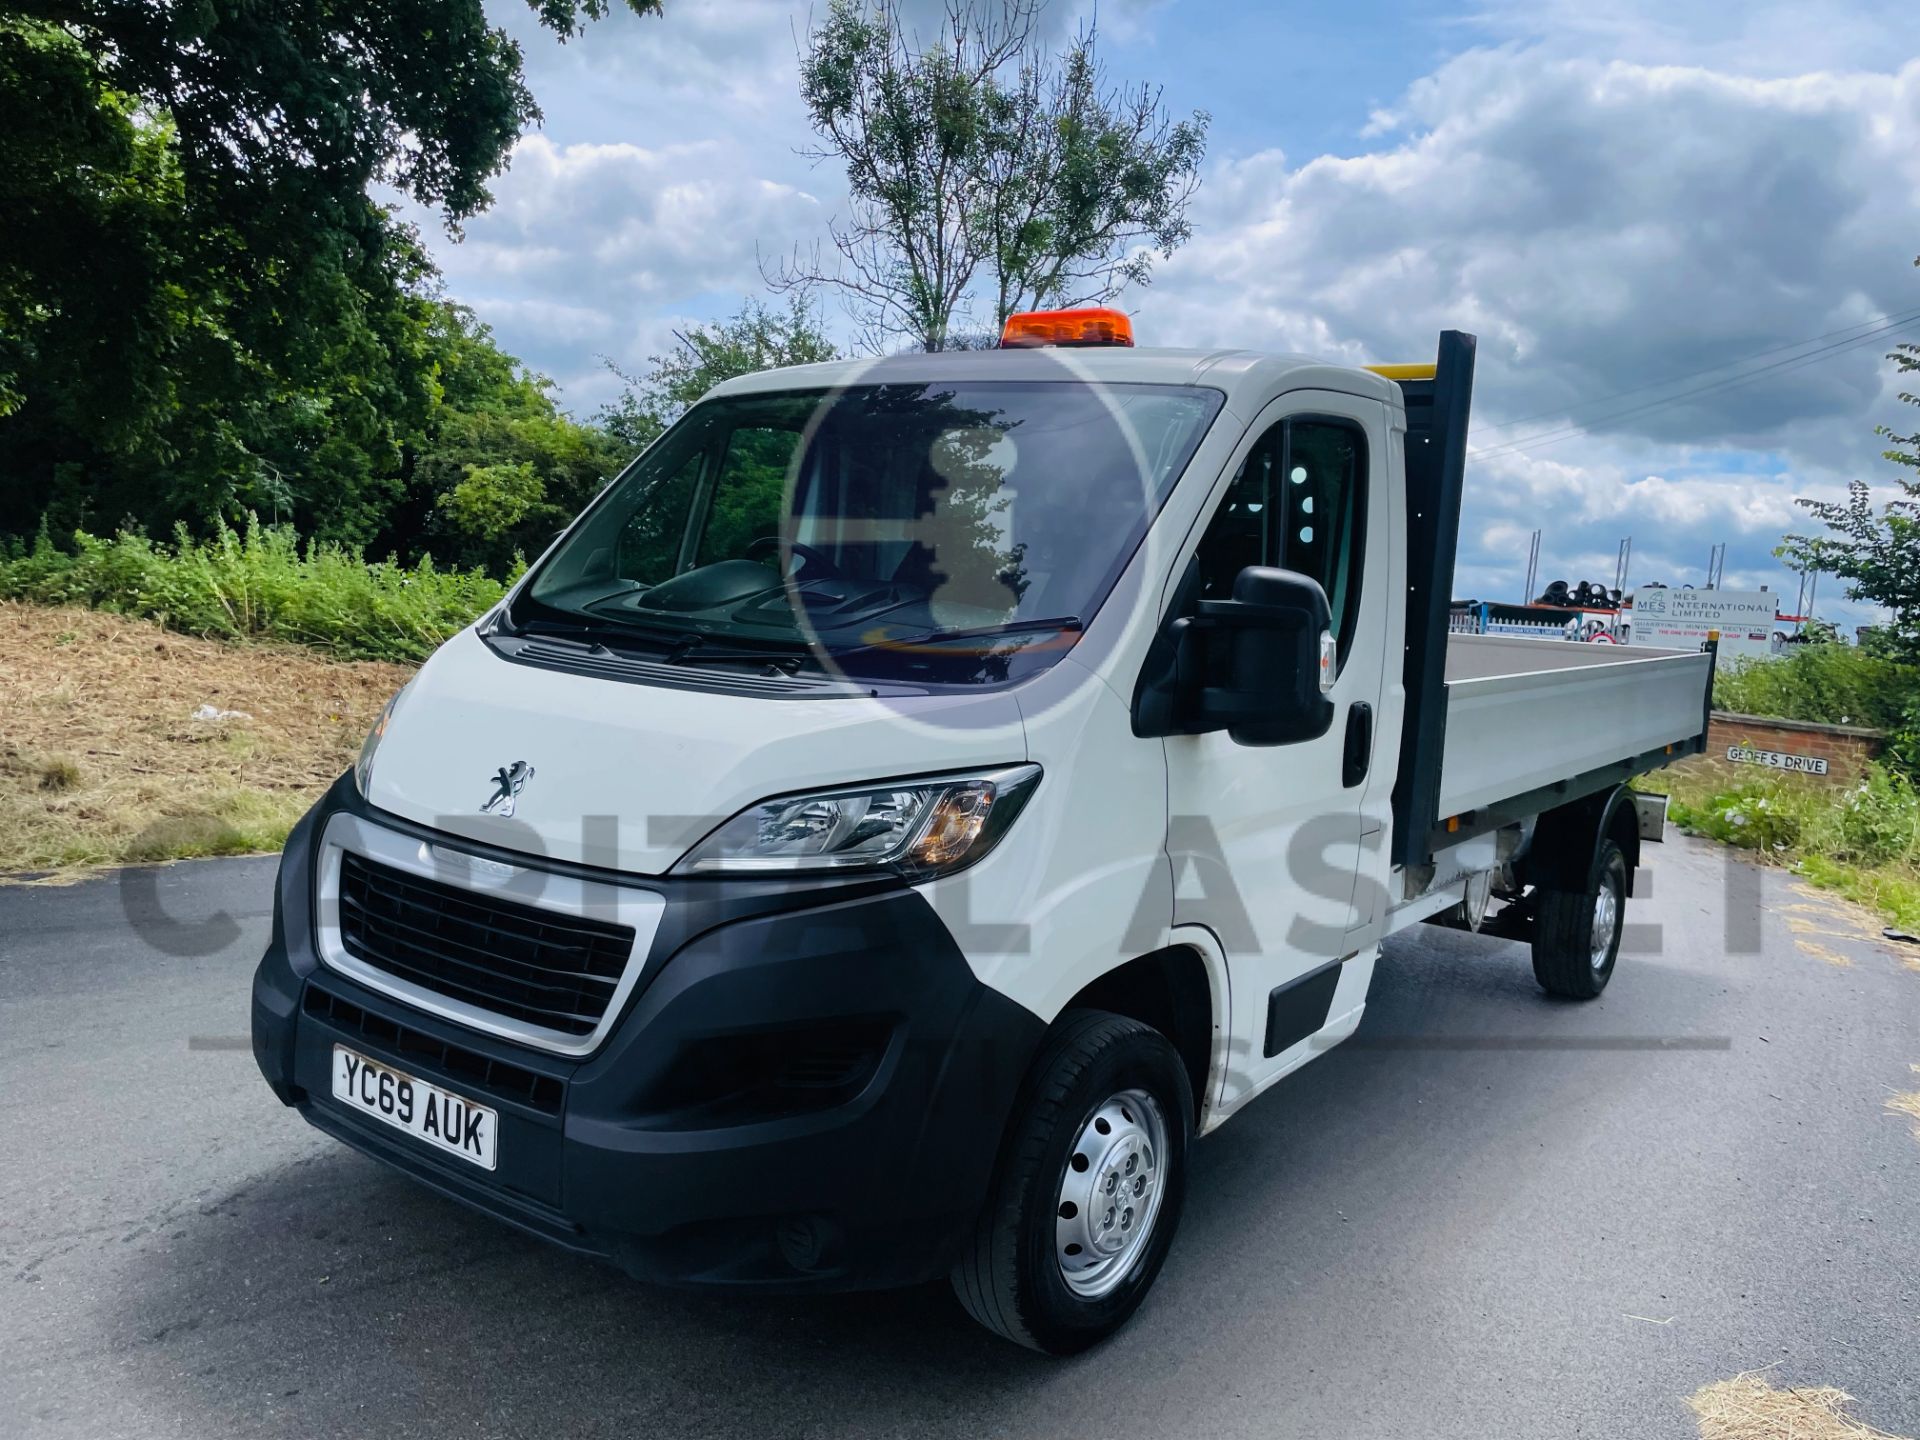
x=1088, y=1190
x=1576, y=933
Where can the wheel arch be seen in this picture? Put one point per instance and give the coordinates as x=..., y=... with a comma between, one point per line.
x=1171, y=989
x=1622, y=827
x=1566, y=840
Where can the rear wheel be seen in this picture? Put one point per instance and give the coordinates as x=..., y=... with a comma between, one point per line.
x=1576, y=933
x=1089, y=1187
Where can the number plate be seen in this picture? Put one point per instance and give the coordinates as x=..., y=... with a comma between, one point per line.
x=449, y=1122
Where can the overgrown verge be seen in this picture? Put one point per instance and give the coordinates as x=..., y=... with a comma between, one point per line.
x=124, y=743
x=1861, y=840
x=1830, y=684
x=258, y=584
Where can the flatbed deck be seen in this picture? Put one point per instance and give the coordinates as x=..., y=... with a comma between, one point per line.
x=1524, y=715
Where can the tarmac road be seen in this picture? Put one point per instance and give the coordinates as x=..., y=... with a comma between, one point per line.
x=1490, y=1215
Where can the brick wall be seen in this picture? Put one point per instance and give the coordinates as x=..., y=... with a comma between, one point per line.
x=1845, y=748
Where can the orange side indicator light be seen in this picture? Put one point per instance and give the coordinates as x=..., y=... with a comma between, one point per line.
x=1095, y=326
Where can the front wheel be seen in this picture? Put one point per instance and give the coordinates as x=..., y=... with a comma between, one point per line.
x=1089, y=1187
x=1576, y=933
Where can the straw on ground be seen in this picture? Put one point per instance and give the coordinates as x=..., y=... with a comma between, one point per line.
x=1747, y=1407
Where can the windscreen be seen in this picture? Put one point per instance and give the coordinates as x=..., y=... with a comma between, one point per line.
x=891, y=529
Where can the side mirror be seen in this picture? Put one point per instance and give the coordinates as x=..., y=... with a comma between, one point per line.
x=1257, y=666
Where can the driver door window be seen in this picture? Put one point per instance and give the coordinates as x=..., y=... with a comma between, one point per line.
x=1298, y=502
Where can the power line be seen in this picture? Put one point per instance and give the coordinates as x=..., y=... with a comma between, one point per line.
x=1566, y=432
x=1716, y=387
x=1895, y=317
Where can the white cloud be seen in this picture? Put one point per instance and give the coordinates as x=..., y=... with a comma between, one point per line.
x=565, y=324
x=1600, y=226
x=1607, y=195
x=708, y=67
x=1740, y=36
x=673, y=156
x=590, y=247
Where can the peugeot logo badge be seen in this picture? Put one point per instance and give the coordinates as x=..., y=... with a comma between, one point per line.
x=508, y=782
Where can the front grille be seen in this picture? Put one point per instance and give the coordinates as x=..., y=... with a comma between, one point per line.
x=528, y=964
x=468, y=1067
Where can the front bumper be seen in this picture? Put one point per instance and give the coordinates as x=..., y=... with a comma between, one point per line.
x=706, y=1141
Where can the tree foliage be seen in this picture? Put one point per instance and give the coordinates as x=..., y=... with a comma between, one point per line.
x=984, y=171
x=1876, y=548
x=1089, y=182
x=204, y=314
x=218, y=156
x=497, y=469
x=755, y=338
x=307, y=102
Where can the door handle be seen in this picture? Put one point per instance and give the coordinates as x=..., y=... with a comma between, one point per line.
x=1359, y=752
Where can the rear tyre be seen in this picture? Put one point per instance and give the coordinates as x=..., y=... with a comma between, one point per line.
x=1088, y=1191
x=1576, y=933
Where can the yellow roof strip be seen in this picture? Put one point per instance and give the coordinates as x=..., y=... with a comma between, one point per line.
x=1404, y=372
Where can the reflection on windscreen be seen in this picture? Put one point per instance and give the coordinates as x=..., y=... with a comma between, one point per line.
x=879, y=514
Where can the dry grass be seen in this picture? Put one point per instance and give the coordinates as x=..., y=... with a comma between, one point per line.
x=1748, y=1408
x=1827, y=916
x=102, y=762
x=1908, y=1104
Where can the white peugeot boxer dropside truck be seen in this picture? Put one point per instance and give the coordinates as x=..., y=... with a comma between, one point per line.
x=919, y=796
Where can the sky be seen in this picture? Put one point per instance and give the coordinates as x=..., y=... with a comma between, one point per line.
x=1633, y=205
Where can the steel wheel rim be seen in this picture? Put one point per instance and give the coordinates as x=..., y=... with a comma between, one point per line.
x=1606, y=921
x=1110, y=1193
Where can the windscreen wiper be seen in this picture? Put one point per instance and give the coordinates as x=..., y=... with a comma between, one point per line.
x=1011, y=627
x=698, y=650
x=979, y=632
x=595, y=635
x=673, y=647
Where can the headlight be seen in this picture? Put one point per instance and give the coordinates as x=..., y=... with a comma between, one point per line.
x=363, y=767
x=916, y=828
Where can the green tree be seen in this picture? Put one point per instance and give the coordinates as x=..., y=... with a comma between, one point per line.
x=315, y=99
x=985, y=172
x=495, y=468
x=1876, y=548
x=129, y=389
x=202, y=311
x=755, y=338
x=1088, y=182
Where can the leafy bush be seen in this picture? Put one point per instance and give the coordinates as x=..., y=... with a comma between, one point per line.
x=1755, y=816
x=259, y=584
x=1821, y=684
x=1879, y=820
x=1873, y=822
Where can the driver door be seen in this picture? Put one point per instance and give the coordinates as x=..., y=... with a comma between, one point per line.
x=1266, y=841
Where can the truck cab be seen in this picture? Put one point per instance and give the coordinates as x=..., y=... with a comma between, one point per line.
x=920, y=796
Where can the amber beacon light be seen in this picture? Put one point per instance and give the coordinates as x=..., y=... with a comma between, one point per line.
x=1097, y=326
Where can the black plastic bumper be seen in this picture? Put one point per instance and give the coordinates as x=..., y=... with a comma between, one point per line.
x=807, y=1090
